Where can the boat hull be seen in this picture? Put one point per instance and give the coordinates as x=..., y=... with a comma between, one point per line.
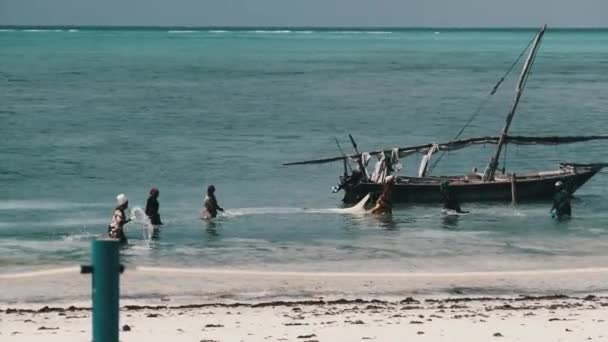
x=540, y=186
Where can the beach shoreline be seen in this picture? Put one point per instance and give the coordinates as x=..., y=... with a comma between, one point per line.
x=158, y=285
x=159, y=303
x=509, y=318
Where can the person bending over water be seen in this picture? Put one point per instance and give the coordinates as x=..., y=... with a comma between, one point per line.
x=449, y=200
x=210, y=205
x=119, y=219
x=561, y=202
x=152, y=207
x=384, y=203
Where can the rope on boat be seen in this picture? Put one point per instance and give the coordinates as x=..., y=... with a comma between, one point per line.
x=484, y=102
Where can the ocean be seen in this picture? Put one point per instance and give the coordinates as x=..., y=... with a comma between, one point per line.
x=88, y=113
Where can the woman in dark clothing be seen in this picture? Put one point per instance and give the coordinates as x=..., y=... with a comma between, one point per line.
x=449, y=200
x=152, y=207
x=210, y=205
x=561, y=202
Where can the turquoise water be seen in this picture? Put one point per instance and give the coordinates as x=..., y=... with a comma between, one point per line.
x=86, y=114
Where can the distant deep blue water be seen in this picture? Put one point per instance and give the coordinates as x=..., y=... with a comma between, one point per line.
x=86, y=114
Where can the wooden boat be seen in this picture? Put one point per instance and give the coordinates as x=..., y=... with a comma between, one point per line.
x=491, y=185
x=532, y=186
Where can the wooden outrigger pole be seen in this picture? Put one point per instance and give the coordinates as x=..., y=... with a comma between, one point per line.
x=463, y=143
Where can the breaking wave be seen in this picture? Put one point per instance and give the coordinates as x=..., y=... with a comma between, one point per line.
x=79, y=237
x=270, y=31
x=43, y=30
x=360, y=32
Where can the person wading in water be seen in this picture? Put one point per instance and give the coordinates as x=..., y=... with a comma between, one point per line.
x=449, y=200
x=561, y=202
x=384, y=204
x=210, y=205
x=119, y=219
x=152, y=207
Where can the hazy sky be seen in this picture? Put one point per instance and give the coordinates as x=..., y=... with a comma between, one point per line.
x=305, y=12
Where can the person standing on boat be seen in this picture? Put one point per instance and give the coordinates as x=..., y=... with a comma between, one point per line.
x=119, y=219
x=449, y=200
x=152, y=207
x=210, y=205
x=561, y=202
x=384, y=203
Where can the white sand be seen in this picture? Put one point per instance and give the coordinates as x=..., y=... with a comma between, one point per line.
x=575, y=317
x=535, y=319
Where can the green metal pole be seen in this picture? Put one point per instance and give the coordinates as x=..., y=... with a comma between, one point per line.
x=106, y=272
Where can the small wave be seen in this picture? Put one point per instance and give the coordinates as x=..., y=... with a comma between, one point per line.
x=56, y=271
x=280, y=31
x=218, y=31
x=76, y=222
x=7, y=30
x=269, y=31
x=79, y=237
x=138, y=249
x=42, y=30
x=470, y=274
x=42, y=205
x=72, y=30
x=66, y=222
x=360, y=32
x=181, y=31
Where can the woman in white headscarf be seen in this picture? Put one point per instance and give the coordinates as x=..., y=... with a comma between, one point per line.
x=119, y=219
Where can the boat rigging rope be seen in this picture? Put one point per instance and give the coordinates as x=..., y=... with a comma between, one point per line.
x=504, y=161
x=484, y=102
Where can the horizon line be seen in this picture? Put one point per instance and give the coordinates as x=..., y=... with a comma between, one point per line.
x=314, y=27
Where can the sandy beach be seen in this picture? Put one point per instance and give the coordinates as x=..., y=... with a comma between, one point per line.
x=522, y=318
x=231, y=305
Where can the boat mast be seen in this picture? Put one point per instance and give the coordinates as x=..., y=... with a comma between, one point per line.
x=493, y=165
